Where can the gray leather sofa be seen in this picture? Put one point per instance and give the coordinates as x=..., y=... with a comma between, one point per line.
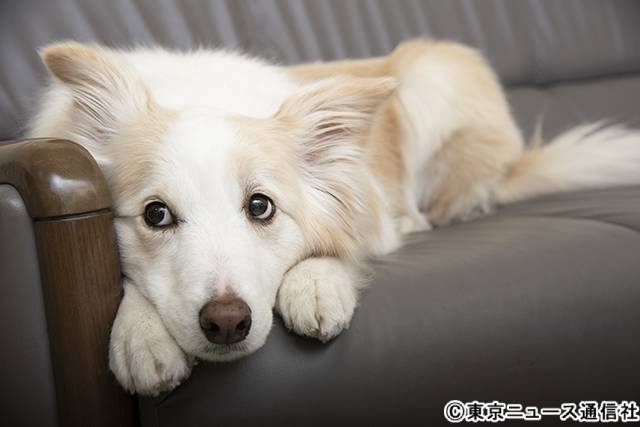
x=538, y=304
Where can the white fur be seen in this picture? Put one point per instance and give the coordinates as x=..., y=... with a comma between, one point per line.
x=143, y=356
x=215, y=249
x=587, y=156
x=317, y=297
x=171, y=126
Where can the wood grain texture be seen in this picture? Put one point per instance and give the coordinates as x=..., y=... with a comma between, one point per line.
x=82, y=290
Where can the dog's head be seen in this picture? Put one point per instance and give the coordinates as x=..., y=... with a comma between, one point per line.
x=213, y=208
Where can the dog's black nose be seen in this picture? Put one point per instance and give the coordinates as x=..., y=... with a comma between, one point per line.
x=226, y=320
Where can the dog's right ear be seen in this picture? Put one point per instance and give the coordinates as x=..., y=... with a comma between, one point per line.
x=106, y=92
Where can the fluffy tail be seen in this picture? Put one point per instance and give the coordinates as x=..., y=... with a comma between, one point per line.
x=585, y=157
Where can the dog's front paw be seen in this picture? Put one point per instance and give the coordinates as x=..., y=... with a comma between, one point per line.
x=142, y=354
x=317, y=298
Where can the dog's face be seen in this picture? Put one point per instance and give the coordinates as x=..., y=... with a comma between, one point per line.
x=213, y=208
x=210, y=218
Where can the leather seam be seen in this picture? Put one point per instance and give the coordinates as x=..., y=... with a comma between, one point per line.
x=568, y=81
x=597, y=221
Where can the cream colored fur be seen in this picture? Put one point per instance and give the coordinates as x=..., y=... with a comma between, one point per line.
x=353, y=153
x=460, y=150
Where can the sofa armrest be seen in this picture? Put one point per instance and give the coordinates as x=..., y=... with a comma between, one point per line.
x=68, y=200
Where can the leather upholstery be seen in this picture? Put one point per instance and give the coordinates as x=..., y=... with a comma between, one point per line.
x=561, y=106
x=536, y=305
x=27, y=388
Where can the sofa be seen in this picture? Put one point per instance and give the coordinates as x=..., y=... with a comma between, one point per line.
x=537, y=304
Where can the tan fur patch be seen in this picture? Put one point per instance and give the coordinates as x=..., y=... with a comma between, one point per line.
x=328, y=189
x=382, y=141
x=75, y=63
x=478, y=150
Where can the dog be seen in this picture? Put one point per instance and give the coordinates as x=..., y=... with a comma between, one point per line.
x=241, y=186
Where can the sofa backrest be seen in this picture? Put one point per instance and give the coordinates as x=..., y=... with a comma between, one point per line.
x=532, y=43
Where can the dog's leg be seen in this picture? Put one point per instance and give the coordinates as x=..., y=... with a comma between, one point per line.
x=317, y=297
x=143, y=356
x=413, y=223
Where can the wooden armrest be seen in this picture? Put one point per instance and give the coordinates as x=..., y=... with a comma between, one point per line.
x=67, y=197
x=54, y=177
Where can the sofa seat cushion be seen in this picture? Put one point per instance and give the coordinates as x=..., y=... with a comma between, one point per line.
x=537, y=304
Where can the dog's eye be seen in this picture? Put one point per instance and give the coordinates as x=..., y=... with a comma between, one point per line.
x=157, y=214
x=261, y=207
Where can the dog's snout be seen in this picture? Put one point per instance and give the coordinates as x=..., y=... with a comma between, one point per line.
x=226, y=320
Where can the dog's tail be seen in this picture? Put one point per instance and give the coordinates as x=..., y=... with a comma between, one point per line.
x=585, y=157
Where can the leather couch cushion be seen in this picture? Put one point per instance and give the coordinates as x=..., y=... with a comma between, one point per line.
x=27, y=388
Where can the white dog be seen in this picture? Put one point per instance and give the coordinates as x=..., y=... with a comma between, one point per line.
x=240, y=186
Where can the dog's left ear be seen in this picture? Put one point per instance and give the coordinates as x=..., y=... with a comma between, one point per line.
x=328, y=119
